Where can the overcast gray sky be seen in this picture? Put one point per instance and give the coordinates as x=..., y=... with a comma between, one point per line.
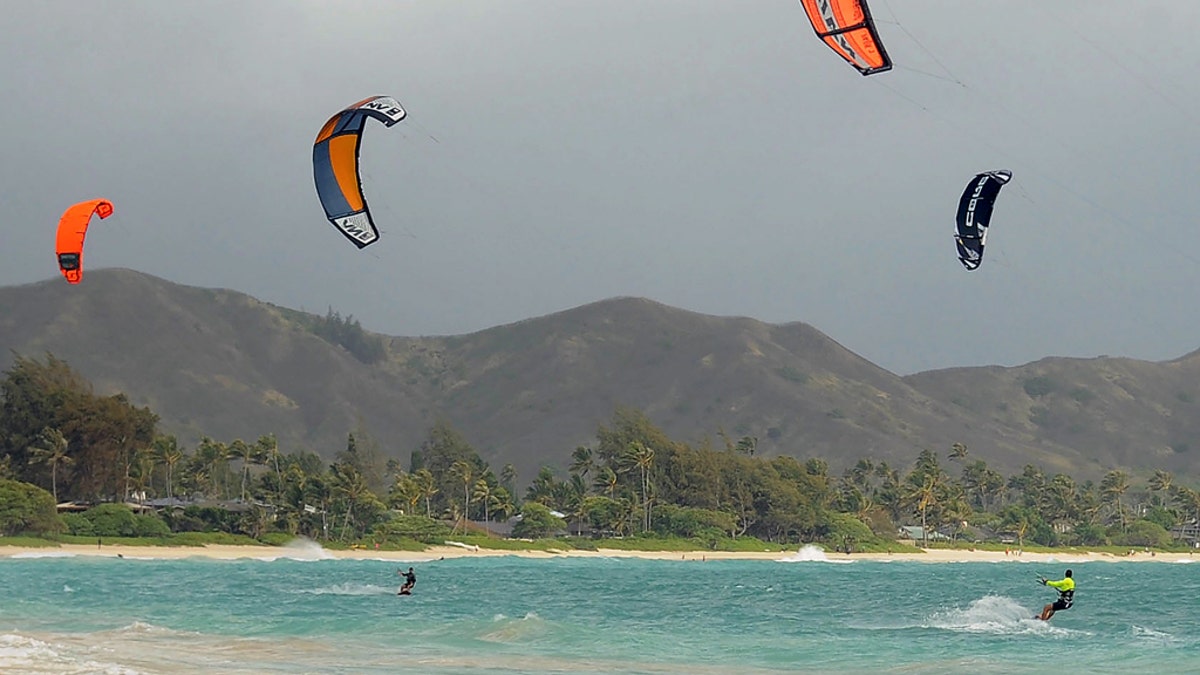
x=709, y=154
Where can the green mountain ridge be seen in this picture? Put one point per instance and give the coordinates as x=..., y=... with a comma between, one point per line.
x=223, y=364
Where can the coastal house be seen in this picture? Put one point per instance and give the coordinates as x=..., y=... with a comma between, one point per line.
x=917, y=533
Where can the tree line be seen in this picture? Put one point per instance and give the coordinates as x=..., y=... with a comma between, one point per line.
x=60, y=439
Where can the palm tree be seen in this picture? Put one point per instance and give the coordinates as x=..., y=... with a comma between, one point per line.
x=51, y=449
x=1161, y=482
x=351, y=486
x=240, y=451
x=268, y=449
x=502, y=504
x=924, y=496
x=210, y=460
x=465, y=471
x=144, y=461
x=576, y=496
x=1113, y=486
x=607, y=481
x=747, y=445
x=1017, y=519
x=427, y=486
x=582, y=462
x=543, y=487
x=642, y=457
x=483, y=493
x=508, y=478
x=958, y=451
x=406, y=492
x=169, y=454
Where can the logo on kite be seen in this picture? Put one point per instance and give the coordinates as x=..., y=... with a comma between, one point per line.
x=847, y=28
x=335, y=166
x=72, y=229
x=975, y=214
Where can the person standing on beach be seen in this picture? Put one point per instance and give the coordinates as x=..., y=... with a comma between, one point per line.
x=410, y=580
x=1066, y=596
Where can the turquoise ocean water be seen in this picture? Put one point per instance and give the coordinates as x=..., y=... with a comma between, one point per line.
x=589, y=615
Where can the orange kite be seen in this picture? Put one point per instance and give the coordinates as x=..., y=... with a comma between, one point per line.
x=72, y=228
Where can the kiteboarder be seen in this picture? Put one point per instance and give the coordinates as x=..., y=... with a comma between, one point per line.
x=410, y=580
x=1066, y=596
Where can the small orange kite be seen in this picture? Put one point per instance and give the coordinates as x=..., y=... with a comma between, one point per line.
x=72, y=228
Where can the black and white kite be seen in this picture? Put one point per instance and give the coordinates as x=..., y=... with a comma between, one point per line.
x=975, y=213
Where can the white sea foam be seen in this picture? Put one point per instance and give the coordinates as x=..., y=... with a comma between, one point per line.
x=350, y=589
x=811, y=553
x=24, y=654
x=303, y=548
x=993, y=614
x=516, y=630
x=1152, y=636
x=43, y=554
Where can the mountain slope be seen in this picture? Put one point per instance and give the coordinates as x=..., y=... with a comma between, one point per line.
x=221, y=363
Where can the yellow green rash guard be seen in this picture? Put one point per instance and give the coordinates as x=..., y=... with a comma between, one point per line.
x=1066, y=592
x=1067, y=585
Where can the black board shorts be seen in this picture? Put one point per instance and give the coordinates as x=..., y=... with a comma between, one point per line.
x=1060, y=604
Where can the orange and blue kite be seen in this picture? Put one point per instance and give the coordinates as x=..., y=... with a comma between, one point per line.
x=335, y=166
x=72, y=228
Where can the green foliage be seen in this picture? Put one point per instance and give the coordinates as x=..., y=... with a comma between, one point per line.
x=276, y=538
x=792, y=375
x=78, y=524
x=26, y=508
x=1142, y=533
x=112, y=520
x=1042, y=416
x=449, y=459
x=1088, y=534
x=844, y=529
x=1039, y=386
x=349, y=334
x=537, y=522
x=1082, y=395
x=100, y=433
x=1185, y=397
x=1164, y=517
x=149, y=525
x=115, y=520
x=684, y=521
x=203, y=519
x=418, y=528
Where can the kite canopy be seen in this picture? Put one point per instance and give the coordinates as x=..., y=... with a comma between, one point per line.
x=974, y=215
x=846, y=26
x=335, y=166
x=72, y=228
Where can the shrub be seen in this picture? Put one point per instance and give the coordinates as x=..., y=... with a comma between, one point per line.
x=1039, y=386
x=77, y=523
x=149, y=525
x=27, y=508
x=112, y=520
x=419, y=528
x=1143, y=533
x=537, y=521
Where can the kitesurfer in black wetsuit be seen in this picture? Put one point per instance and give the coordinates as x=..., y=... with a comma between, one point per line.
x=410, y=580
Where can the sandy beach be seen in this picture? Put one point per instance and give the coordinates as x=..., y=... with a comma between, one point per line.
x=310, y=551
